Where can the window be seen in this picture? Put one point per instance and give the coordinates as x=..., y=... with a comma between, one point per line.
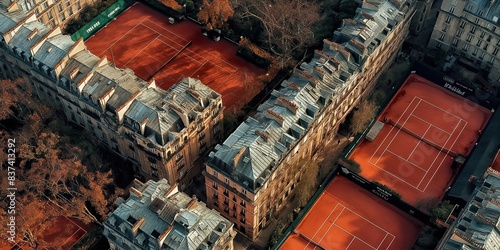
x=455, y=42
x=469, y=38
x=485, y=46
x=476, y=20
x=178, y=156
x=492, y=59
x=466, y=47
x=470, y=7
x=452, y=9
x=227, y=181
x=462, y=24
x=59, y=7
x=441, y=37
x=244, y=191
x=215, y=186
x=78, y=6
x=475, y=52
x=473, y=29
x=495, y=51
x=154, y=167
x=459, y=33
x=216, y=174
x=482, y=34
x=478, y=44
x=480, y=13
x=448, y=19
x=445, y=28
x=481, y=56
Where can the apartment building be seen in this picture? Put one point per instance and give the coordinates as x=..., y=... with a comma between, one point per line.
x=252, y=174
x=470, y=29
x=163, y=132
x=423, y=8
x=49, y=12
x=157, y=216
x=477, y=225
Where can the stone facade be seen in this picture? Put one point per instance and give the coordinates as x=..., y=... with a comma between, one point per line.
x=163, y=132
x=249, y=177
x=470, y=29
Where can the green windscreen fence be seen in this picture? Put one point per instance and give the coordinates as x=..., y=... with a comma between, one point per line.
x=100, y=21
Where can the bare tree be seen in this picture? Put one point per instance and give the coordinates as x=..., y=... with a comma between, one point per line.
x=364, y=113
x=287, y=23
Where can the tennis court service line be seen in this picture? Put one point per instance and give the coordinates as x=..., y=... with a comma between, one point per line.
x=456, y=138
x=380, y=145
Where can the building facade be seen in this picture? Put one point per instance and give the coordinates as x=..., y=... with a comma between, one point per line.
x=421, y=14
x=163, y=132
x=49, y=12
x=157, y=216
x=470, y=29
x=477, y=225
x=249, y=177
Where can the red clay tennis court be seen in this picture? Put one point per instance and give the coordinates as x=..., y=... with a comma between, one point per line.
x=348, y=217
x=425, y=127
x=143, y=40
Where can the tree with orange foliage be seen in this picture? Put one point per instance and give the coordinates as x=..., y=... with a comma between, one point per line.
x=214, y=13
x=49, y=169
x=172, y=4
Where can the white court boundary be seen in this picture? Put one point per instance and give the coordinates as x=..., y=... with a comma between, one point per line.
x=354, y=236
x=430, y=168
x=142, y=22
x=78, y=228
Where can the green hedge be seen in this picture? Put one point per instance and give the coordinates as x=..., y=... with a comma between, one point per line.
x=252, y=57
x=350, y=164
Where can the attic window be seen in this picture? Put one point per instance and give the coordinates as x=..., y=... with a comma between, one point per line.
x=49, y=49
x=155, y=234
x=73, y=73
x=131, y=219
x=246, y=159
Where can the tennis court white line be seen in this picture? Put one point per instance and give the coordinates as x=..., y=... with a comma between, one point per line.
x=448, y=151
x=411, y=163
x=445, y=155
x=399, y=130
x=368, y=221
x=170, y=32
x=356, y=237
x=122, y=36
x=322, y=225
x=380, y=145
x=333, y=223
x=418, y=143
x=431, y=124
x=226, y=62
x=441, y=109
x=152, y=40
x=347, y=248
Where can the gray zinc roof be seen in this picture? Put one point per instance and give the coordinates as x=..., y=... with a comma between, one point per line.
x=250, y=153
x=189, y=227
x=29, y=34
x=53, y=50
x=490, y=10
